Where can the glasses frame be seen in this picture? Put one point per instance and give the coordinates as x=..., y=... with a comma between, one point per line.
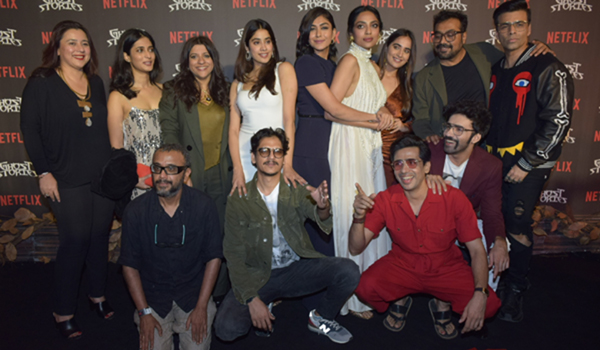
x=161, y=168
x=450, y=35
x=508, y=25
x=398, y=164
x=168, y=245
x=271, y=150
x=458, y=129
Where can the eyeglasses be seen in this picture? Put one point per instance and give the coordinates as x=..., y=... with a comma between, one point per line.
x=519, y=26
x=449, y=35
x=266, y=151
x=168, y=245
x=458, y=130
x=169, y=169
x=398, y=164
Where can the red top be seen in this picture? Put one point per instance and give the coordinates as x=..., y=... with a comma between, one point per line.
x=426, y=242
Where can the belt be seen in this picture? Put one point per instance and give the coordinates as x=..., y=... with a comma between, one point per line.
x=512, y=150
x=311, y=116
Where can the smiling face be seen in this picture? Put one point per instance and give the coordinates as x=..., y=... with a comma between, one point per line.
x=321, y=35
x=399, y=52
x=260, y=47
x=453, y=143
x=201, y=64
x=366, y=30
x=444, y=49
x=513, y=38
x=141, y=56
x=74, y=50
x=269, y=165
x=411, y=179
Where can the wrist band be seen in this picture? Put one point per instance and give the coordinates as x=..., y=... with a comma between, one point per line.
x=358, y=221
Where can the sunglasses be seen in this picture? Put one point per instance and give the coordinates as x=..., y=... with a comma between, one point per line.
x=399, y=163
x=266, y=151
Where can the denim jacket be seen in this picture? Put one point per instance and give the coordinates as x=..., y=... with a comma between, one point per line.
x=248, y=242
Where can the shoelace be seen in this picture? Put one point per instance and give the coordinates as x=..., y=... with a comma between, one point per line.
x=331, y=324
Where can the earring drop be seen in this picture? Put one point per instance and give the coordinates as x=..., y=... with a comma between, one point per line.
x=248, y=56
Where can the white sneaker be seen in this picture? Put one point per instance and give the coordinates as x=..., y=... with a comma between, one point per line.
x=330, y=328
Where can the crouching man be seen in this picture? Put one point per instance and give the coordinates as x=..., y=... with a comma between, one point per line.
x=424, y=258
x=270, y=255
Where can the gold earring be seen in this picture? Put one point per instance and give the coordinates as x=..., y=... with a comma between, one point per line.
x=351, y=38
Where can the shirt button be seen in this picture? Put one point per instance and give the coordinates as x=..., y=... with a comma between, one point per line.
x=419, y=230
x=265, y=218
x=265, y=240
x=421, y=246
x=442, y=230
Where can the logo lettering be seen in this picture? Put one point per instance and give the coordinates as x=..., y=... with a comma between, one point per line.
x=60, y=5
x=396, y=4
x=569, y=138
x=12, y=72
x=183, y=36
x=113, y=4
x=311, y=4
x=10, y=105
x=574, y=70
x=240, y=33
x=46, y=37
x=567, y=37
x=10, y=137
x=550, y=196
x=254, y=3
x=324, y=328
x=8, y=4
x=16, y=169
x=493, y=4
x=597, y=136
x=115, y=35
x=7, y=37
x=445, y=5
x=596, y=168
x=385, y=34
x=493, y=37
x=20, y=199
x=571, y=5
x=592, y=196
x=427, y=36
x=190, y=5
x=564, y=167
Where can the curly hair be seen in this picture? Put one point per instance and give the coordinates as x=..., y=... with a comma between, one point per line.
x=475, y=111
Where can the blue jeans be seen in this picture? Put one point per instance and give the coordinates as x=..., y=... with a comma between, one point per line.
x=337, y=276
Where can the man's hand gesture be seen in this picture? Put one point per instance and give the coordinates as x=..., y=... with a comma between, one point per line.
x=320, y=195
x=362, y=202
x=260, y=314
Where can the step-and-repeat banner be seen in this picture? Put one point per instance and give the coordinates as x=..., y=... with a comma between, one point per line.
x=569, y=27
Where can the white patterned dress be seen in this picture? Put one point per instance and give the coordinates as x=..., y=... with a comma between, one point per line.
x=355, y=157
x=141, y=135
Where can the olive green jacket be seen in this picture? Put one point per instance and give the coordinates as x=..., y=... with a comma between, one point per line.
x=248, y=242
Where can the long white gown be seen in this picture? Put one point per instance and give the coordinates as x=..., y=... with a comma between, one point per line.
x=355, y=157
x=264, y=112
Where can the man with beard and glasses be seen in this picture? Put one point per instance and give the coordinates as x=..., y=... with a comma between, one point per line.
x=171, y=254
x=424, y=258
x=465, y=165
x=270, y=255
x=460, y=71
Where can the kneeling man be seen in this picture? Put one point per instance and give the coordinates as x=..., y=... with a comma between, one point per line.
x=269, y=253
x=424, y=258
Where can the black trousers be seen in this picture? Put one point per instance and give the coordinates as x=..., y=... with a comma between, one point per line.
x=84, y=220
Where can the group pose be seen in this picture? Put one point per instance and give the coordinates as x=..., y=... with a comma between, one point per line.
x=301, y=180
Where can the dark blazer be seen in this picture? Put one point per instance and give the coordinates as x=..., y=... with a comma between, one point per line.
x=178, y=125
x=482, y=184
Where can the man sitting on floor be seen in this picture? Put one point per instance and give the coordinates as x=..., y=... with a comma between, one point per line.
x=424, y=258
x=171, y=254
x=270, y=255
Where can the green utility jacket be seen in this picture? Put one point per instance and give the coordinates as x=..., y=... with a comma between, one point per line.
x=248, y=242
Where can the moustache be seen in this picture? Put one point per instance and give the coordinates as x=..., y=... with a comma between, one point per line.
x=270, y=162
x=164, y=181
x=450, y=138
x=440, y=46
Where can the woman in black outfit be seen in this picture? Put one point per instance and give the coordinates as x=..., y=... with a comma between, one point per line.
x=63, y=120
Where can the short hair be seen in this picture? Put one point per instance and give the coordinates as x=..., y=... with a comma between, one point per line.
x=357, y=11
x=302, y=44
x=475, y=111
x=269, y=132
x=411, y=140
x=445, y=15
x=175, y=147
x=512, y=6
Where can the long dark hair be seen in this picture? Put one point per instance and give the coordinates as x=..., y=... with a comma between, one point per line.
x=122, y=74
x=184, y=84
x=302, y=44
x=357, y=11
x=404, y=74
x=50, y=57
x=266, y=76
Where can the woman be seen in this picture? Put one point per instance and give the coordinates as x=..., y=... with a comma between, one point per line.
x=397, y=62
x=63, y=120
x=355, y=152
x=194, y=112
x=263, y=94
x=133, y=102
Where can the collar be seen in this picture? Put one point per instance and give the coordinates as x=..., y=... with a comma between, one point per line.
x=158, y=209
x=360, y=51
x=398, y=195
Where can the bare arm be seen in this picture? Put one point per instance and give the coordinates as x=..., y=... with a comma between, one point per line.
x=474, y=313
x=360, y=236
x=235, y=123
x=115, y=119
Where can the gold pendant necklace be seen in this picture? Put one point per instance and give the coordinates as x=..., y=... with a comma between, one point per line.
x=82, y=102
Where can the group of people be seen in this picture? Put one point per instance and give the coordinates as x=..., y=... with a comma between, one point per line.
x=301, y=179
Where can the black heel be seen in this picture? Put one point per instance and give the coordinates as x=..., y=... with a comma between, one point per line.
x=69, y=329
x=103, y=309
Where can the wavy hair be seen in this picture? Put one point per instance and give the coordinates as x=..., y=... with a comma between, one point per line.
x=404, y=74
x=266, y=76
x=122, y=74
x=50, y=57
x=302, y=44
x=184, y=85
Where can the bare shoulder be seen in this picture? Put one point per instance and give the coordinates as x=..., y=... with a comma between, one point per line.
x=347, y=62
x=286, y=68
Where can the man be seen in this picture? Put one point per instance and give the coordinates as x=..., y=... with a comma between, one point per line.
x=171, y=254
x=531, y=102
x=465, y=165
x=270, y=255
x=424, y=258
x=460, y=71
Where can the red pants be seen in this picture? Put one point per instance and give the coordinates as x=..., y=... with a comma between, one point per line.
x=387, y=280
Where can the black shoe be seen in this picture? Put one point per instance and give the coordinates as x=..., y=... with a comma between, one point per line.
x=512, y=305
x=103, y=309
x=69, y=329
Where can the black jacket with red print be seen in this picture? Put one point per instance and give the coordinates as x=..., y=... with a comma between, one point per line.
x=532, y=103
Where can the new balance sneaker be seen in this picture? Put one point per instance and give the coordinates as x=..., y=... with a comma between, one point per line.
x=330, y=328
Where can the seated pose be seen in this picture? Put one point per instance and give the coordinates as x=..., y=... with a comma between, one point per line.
x=424, y=258
x=171, y=254
x=270, y=255
x=477, y=173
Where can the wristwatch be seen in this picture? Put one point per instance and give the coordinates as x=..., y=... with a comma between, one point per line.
x=145, y=311
x=483, y=290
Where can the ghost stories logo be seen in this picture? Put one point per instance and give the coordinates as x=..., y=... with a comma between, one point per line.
x=445, y=5
x=493, y=37
x=550, y=196
x=385, y=34
x=190, y=5
x=60, y=5
x=10, y=105
x=7, y=37
x=240, y=33
x=574, y=70
x=115, y=35
x=571, y=5
x=311, y=4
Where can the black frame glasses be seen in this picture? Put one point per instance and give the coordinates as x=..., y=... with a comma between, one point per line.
x=458, y=129
x=449, y=35
x=265, y=152
x=168, y=245
x=411, y=162
x=169, y=169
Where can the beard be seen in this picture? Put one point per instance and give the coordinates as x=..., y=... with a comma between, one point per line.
x=169, y=191
x=448, y=55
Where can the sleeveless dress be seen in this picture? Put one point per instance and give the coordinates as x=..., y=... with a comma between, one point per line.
x=355, y=157
x=394, y=105
x=141, y=135
x=264, y=112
